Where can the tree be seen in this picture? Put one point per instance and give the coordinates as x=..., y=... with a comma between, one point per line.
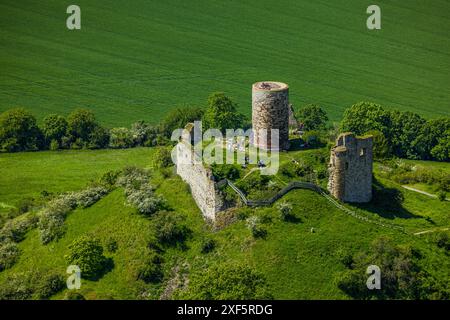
x=432, y=136
x=221, y=113
x=313, y=117
x=87, y=254
x=402, y=274
x=381, y=148
x=98, y=138
x=403, y=131
x=81, y=124
x=19, y=131
x=54, y=128
x=441, y=151
x=366, y=116
x=227, y=282
x=179, y=117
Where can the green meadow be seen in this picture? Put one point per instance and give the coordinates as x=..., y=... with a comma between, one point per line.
x=297, y=263
x=137, y=60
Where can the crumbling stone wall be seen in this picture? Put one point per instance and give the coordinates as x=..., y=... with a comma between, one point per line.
x=350, y=168
x=270, y=110
x=204, y=189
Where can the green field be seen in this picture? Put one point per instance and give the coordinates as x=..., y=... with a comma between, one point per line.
x=136, y=60
x=298, y=264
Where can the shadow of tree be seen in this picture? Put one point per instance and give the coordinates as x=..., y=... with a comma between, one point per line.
x=387, y=203
x=107, y=267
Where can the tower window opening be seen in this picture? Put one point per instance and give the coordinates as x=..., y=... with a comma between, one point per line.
x=362, y=152
x=346, y=166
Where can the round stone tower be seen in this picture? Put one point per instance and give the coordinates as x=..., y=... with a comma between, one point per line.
x=270, y=110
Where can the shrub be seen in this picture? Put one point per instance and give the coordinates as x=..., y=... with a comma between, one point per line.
x=49, y=285
x=81, y=123
x=254, y=225
x=163, y=158
x=226, y=282
x=88, y=197
x=54, y=145
x=403, y=276
x=207, y=245
x=133, y=178
x=15, y=230
x=226, y=171
x=109, y=178
x=145, y=200
x=169, y=229
x=151, y=270
x=51, y=226
x=17, y=286
x=121, y=138
x=87, y=253
x=442, y=240
x=442, y=195
x=9, y=253
x=285, y=210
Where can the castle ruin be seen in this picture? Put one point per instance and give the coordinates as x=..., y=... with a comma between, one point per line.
x=350, y=168
x=270, y=110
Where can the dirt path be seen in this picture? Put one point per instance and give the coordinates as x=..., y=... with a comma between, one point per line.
x=431, y=230
x=422, y=192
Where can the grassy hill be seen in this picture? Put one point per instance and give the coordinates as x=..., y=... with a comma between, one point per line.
x=137, y=61
x=297, y=263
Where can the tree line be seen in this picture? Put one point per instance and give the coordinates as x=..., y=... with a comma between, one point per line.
x=396, y=133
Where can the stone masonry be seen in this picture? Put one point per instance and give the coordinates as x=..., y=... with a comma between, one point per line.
x=203, y=188
x=350, y=168
x=270, y=110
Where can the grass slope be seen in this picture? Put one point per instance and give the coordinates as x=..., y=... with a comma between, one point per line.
x=28, y=174
x=297, y=263
x=136, y=61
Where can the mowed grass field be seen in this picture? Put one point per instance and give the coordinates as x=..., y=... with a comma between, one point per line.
x=136, y=60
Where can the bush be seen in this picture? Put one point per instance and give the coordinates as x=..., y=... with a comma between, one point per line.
x=133, y=178
x=285, y=210
x=9, y=253
x=254, y=225
x=151, y=270
x=121, y=138
x=169, y=229
x=89, y=196
x=15, y=230
x=163, y=158
x=51, y=226
x=442, y=240
x=226, y=282
x=442, y=195
x=17, y=286
x=226, y=171
x=54, y=129
x=49, y=285
x=207, y=245
x=403, y=276
x=81, y=124
x=87, y=253
x=145, y=200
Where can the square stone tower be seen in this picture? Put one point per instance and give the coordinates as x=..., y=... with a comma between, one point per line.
x=350, y=168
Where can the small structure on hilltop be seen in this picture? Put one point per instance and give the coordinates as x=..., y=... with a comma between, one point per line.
x=270, y=110
x=350, y=168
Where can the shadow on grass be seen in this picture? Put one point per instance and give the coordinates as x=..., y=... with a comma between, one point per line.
x=297, y=144
x=291, y=218
x=107, y=267
x=387, y=203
